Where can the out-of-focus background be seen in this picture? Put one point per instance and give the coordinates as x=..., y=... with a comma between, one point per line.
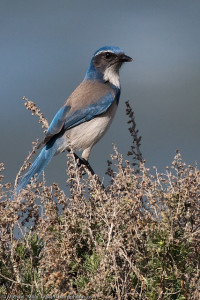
x=45, y=51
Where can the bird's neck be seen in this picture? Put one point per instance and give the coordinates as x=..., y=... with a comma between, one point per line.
x=111, y=76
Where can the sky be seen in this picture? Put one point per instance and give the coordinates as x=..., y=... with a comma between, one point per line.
x=45, y=50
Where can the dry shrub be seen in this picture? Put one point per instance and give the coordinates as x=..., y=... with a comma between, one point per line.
x=138, y=238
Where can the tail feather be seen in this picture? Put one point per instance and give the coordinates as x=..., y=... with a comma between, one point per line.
x=37, y=167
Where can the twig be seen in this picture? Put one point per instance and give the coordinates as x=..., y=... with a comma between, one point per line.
x=21, y=283
x=109, y=235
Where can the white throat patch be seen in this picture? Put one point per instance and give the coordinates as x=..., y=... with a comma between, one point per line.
x=112, y=75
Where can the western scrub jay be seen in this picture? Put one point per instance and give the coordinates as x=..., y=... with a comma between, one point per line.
x=87, y=113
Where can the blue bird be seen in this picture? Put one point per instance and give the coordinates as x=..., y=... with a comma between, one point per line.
x=86, y=115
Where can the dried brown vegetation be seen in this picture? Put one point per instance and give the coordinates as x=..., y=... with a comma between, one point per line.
x=137, y=239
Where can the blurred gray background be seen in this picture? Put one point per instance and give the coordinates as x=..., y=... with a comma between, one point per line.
x=45, y=51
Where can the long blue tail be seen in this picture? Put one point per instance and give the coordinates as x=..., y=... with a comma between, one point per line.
x=38, y=166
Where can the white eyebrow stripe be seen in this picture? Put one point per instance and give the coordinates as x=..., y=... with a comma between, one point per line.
x=104, y=51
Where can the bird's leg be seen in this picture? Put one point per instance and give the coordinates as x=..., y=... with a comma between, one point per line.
x=82, y=161
x=86, y=163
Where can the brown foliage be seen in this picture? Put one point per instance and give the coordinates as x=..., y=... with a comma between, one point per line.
x=136, y=239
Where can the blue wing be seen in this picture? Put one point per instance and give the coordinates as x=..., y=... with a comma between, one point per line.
x=58, y=121
x=56, y=124
x=90, y=112
x=67, y=118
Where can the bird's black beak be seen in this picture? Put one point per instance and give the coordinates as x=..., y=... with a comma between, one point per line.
x=125, y=58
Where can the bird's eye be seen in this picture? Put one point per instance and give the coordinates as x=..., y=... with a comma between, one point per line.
x=108, y=55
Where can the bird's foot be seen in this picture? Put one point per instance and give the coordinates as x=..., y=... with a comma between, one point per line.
x=82, y=161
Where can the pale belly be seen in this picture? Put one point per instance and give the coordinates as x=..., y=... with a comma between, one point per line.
x=87, y=134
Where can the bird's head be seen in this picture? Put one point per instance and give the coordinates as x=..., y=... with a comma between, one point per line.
x=105, y=65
